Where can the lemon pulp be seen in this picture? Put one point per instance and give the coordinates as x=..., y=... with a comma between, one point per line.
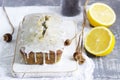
x=100, y=41
x=100, y=14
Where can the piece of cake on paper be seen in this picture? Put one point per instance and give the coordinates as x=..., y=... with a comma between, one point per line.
x=42, y=39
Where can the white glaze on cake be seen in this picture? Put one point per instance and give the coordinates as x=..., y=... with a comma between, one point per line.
x=33, y=40
x=32, y=34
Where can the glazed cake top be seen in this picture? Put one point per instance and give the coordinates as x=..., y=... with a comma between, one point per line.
x=42, y=32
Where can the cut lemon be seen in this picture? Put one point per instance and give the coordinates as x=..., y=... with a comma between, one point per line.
x=100, y=14
x=100, y=41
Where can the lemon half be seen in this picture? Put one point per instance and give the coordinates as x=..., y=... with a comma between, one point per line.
x=100, y=14
x=100, y=41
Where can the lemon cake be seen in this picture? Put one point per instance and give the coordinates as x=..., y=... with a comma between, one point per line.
x=42, y=39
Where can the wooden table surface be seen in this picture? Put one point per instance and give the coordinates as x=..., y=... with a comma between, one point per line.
x=106, y=68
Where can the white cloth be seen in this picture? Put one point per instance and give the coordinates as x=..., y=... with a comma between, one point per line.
x=16, y=15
